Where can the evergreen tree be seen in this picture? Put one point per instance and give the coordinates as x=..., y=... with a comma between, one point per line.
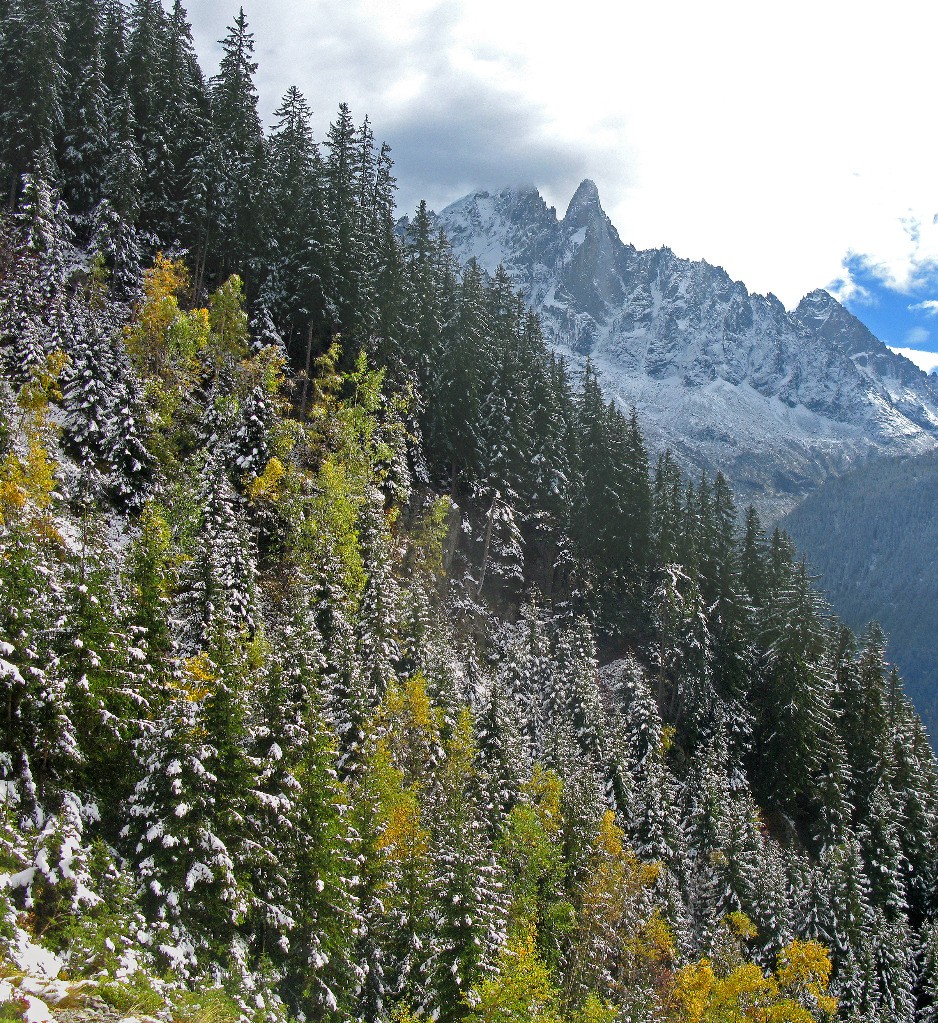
x=502, y=751
x=88, y=391
x=150, y=577
x=218, y=585
x=86, y=140
x=845, y=917
x=796, y=720
x=645, y=789
x=377, y=647
x=188, y=182
x=465, y=882
x=114, y=46
x=146, y=85
x=32, y=37
x=455, y=433
x=239, y=139
x=180, y=818
x=108, y=691
x=293, y=288
x=928, y=975
x=128, y=454
x=34, y=300
x=303, y=853
x=882, y=848
x=895, y=969
x=114, y=232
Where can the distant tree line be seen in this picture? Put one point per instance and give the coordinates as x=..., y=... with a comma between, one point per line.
x=872, y=536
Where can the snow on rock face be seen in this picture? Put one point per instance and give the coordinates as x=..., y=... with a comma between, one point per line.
x=728, y=380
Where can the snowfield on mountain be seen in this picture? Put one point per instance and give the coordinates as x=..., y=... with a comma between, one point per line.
x=776, y=399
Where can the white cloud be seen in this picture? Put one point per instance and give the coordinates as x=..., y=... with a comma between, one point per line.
x=929, y=306
x=771, y=142
x=846, y=289
x=927, y=361
x=917, y=337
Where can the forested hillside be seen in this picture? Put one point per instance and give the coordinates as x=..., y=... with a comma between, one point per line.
x=356, y=663
x=873, y=537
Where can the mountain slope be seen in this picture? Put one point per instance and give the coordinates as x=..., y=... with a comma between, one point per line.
x=873, y=536
x=728, y=380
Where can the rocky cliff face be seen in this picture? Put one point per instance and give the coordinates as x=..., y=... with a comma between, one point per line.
x=728, y=380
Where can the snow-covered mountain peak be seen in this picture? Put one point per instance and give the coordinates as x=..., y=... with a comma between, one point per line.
x=817, y=307
x=819, y=299
x=585, y=199
x=727, y=379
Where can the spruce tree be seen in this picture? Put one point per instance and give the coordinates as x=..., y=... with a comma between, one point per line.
x=32, y=38
x=469, y=902
x=928, y=974
x=218, y=585
x=293, y=288
x=146, y=85
x=190, y=152
x=86, y=139
x=239, y=141
x=114, y=231
x=180, y=818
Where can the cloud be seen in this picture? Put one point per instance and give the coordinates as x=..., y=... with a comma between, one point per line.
x=456, y=113
x=903, y=253
x=333, y=51
x=929, y=307
x=886, y=311
x=848, y=290
x=927, y=361
x=496, y=141
x=700, y=136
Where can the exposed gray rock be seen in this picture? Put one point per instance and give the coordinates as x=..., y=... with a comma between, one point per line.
x=728, y=380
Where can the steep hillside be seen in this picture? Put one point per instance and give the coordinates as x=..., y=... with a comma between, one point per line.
x=726, y=379
x=873, y=537
x=355, y=661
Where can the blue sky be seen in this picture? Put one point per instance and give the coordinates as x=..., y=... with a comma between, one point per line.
x=905, y=318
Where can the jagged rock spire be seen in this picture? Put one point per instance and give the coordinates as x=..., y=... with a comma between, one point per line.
x=584, y=202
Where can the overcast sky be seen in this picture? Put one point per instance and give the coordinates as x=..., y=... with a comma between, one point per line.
x=794, y=144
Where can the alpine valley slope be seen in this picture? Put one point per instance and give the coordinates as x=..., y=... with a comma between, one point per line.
x=726, y=379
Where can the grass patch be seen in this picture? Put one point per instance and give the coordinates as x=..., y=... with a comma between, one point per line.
x=13, y=1010
x=134, y=997
x=210, y=1006
x=8, y=969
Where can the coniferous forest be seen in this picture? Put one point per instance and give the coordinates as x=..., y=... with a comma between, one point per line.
x=357, y=661
x=888, y=569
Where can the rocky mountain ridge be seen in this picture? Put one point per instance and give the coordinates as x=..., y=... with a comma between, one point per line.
x=776, y=399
